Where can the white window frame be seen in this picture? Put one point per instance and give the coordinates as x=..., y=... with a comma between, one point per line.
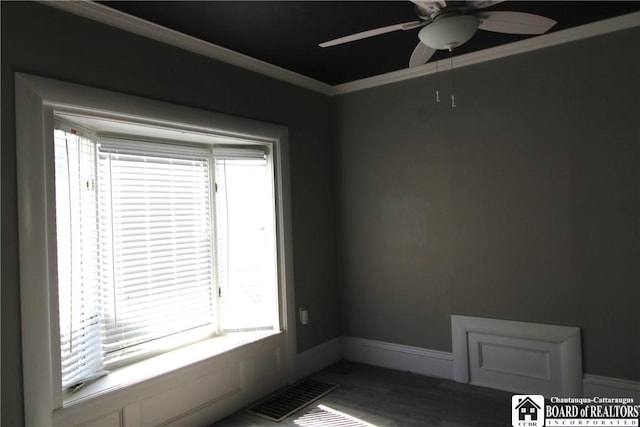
x=37, y=99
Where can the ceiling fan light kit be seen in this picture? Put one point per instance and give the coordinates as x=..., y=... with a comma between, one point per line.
x=449, y=31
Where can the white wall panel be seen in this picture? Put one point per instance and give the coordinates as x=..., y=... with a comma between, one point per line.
x=521, y=357
x=113, y=419
x=178, y=401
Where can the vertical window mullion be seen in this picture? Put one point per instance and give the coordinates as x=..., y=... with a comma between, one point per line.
x=215, y=282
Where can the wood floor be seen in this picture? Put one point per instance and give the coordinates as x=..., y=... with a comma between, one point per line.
x=383, y=398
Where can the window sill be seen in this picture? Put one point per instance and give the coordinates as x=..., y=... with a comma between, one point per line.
x=159, y=365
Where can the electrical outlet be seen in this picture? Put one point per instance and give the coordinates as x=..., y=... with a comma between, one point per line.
x=303, y=315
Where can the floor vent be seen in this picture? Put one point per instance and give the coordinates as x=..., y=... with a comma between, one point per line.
x=291, y=400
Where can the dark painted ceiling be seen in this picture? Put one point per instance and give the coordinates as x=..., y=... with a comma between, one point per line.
x=287, y=33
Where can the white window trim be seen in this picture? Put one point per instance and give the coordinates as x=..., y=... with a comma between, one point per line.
x=36, y=100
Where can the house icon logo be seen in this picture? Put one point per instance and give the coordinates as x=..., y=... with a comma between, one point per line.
x=527, y=410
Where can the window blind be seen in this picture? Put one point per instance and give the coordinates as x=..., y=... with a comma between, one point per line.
x=78, y=257
x=157, y=240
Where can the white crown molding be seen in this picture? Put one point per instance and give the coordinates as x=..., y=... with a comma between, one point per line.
x=123, y=21
x=622, y=22
x=103, y=14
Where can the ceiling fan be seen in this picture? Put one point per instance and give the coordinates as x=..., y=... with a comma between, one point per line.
x=448, y=24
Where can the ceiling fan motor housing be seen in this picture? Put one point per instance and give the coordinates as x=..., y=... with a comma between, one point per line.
x=448, y=31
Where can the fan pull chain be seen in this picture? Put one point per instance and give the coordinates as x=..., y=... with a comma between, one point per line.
x=437, y=85
x=453, y=87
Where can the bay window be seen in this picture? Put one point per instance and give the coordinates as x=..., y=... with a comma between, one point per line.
x=155, y=241
x=158, y=245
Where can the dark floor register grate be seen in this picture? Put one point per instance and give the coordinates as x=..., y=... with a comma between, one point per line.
x=291, y=400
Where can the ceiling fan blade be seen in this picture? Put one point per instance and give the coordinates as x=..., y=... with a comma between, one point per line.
x=421, y=54
x=375, y=32
x=514, y=22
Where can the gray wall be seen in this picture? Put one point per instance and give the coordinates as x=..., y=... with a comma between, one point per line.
x=522, y=203
x=44, y=41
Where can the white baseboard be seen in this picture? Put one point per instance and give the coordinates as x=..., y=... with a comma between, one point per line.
x=595, y=385
x=418, y=360
x=319, y=357
x=427, y=362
